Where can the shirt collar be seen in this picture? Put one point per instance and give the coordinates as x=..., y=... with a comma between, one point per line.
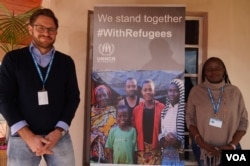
x=42, y=60
x=175, y=106
x=37, y=53
x=214, y=86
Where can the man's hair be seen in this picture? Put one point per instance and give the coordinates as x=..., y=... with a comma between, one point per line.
x=130, y=79
x=121, y=107
x=148, y=81
x=43, y=12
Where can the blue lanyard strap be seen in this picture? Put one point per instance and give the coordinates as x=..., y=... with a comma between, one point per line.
x=215, y=106
x=48, y=70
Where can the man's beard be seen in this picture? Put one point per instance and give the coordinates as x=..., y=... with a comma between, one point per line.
x=132, y=94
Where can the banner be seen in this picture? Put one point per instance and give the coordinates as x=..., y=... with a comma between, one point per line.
x=137, y=106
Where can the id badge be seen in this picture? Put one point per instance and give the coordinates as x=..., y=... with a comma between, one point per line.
x=215, y=122
x=43, y=98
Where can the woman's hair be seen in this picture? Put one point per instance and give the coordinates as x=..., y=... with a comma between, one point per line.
x=43, y=12
x=101, y=87
x=226, y=77
x=180, y=86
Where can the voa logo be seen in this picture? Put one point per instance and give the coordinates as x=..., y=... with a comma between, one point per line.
x=236, y=157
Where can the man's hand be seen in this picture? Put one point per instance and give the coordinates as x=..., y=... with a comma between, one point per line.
x=42, y=143
x=35, y=142
x=53, y=137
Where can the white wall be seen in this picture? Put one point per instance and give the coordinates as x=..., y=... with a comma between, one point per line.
x=228, y=38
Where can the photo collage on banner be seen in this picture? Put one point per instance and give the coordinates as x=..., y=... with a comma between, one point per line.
x=137, y=90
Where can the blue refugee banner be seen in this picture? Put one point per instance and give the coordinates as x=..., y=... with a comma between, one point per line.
x=137, y=89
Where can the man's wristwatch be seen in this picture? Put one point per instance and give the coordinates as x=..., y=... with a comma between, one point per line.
x=62, y=131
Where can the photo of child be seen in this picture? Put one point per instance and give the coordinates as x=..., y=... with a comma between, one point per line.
x=121, y=142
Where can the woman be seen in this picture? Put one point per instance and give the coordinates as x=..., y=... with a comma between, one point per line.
x=146, y=119
x=103, y=118
x=172, y=124
x=216, y=115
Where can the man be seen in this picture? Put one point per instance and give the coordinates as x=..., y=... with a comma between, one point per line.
x=39, y=95
x=131, y=100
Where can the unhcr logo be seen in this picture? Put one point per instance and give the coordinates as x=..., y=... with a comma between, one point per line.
x=106, y=50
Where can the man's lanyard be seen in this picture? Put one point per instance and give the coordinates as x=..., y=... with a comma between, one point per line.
x=217, y=106
x=39, y=71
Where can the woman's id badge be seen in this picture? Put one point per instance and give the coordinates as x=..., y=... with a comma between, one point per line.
x=215, y=122
x=43, y=98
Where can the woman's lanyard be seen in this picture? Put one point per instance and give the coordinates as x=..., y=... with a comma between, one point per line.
x=47, y=72
x=215, y=106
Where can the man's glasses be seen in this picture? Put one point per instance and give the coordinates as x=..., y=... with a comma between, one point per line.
x=42, y=29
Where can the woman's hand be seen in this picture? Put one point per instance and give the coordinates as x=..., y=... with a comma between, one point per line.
x=226, y=147
x=170, y=138
x=212, y=150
